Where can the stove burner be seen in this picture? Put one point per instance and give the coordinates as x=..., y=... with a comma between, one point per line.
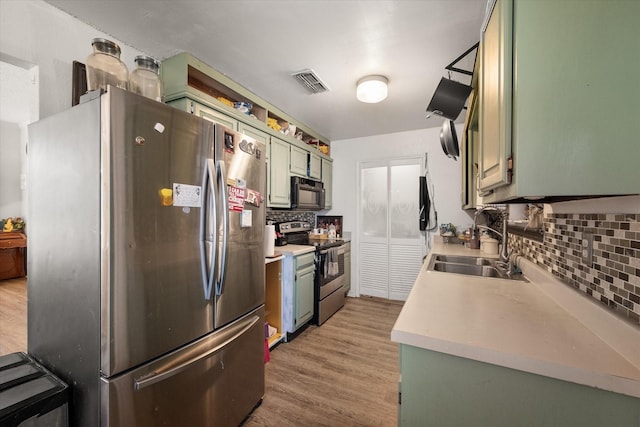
x=323, y=243
x=297, y=233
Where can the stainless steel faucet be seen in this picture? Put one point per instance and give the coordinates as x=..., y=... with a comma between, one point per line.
x=504, y=253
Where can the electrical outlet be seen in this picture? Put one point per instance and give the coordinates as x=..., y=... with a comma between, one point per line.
x=586, y=249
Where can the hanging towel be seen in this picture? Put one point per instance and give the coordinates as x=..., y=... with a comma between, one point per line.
x=332, y=262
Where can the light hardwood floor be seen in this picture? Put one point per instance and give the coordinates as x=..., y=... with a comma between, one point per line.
x=13, y=315
x=344, y=373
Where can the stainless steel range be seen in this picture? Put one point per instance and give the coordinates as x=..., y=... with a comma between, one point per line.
x=329, y=267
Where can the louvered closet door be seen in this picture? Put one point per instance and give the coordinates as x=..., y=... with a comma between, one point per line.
x=374, y=251
x=391, y=245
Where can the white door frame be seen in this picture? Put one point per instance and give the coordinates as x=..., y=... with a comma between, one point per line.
x=388, y=162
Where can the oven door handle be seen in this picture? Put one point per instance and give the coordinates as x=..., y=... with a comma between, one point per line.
x=340, y=251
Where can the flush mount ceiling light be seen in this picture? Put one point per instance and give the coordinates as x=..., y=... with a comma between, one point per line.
x=372, y=89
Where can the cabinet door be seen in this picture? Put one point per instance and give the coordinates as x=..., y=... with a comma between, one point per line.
x=298, y=161
x=347, y=267
x=304, y=295
x=254, y=133
x=263, y=137
x=215, y=116
x=315, y=166
x=496, y=97
x=279, y=184
x=327, y=179
x=193, y=107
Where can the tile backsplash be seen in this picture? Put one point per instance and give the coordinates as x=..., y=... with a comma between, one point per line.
x=613, y=278
x=282, y=215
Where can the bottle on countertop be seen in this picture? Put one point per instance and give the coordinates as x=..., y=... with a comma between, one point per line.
x=332, y=231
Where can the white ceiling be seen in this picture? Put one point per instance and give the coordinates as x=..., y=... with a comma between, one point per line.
x=260, y=43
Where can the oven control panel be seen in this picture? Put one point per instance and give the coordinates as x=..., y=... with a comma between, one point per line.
x=293, y=227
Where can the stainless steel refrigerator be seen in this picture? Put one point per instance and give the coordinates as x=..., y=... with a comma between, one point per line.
x=146, y=263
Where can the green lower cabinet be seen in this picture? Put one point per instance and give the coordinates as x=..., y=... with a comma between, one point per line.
x=347, y=268
x=438, y=389
x=304, y=296
x=304, y=289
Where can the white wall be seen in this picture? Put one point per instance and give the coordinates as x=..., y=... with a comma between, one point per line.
x=34, y=32
x=38, y=44
x=444, y=172
x=18, y=107
x=10, y=170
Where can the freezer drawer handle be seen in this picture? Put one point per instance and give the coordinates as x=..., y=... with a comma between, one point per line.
x=158, y=375
x=223, y=251
x=207, y=227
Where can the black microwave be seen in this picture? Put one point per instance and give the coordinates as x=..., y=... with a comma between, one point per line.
x=306, y=194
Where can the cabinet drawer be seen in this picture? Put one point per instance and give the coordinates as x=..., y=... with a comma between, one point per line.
x=305, y=260
x=12, y=240
x=309, y=269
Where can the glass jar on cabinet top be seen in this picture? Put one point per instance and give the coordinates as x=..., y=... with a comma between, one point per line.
x=144, y=79
x=104, y=66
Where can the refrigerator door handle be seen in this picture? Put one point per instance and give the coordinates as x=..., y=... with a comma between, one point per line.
x=208, y=230
x=167, y=371
x=223, y=251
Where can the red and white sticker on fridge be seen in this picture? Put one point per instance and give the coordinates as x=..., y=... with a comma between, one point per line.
x=253, y=197
x=187, y=195
x=236, y=196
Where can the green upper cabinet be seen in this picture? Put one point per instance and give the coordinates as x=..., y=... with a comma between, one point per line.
x=206, y=113
x=254, y=133
x=470, y=143
x=215, y=116
x=299, y=158
x=278, y=181
x=186, y=79
x=193, y=86
x=263, y=137
x=327, y=180
x=315, y=166
x=495, y=103
x=559, y=94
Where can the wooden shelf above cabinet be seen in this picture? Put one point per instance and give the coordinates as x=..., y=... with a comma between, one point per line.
x=183, y=75
x=202, y=82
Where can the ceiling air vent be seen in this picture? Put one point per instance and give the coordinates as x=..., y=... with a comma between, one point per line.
x=311, y=81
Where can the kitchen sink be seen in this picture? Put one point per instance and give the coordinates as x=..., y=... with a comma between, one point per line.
x=472, y=266
x=471, y=270
x=471, y=260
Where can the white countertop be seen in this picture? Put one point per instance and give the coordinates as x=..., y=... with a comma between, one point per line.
x=541, y=326
x=270, y=259
x=294, y=249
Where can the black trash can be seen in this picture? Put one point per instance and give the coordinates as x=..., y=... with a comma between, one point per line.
x=30, y=395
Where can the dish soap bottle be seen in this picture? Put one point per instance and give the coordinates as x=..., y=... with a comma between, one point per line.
x=104, y=66
x=144, y=79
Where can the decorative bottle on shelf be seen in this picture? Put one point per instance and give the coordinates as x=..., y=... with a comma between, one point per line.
x=104, y=66
x=144, y=79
